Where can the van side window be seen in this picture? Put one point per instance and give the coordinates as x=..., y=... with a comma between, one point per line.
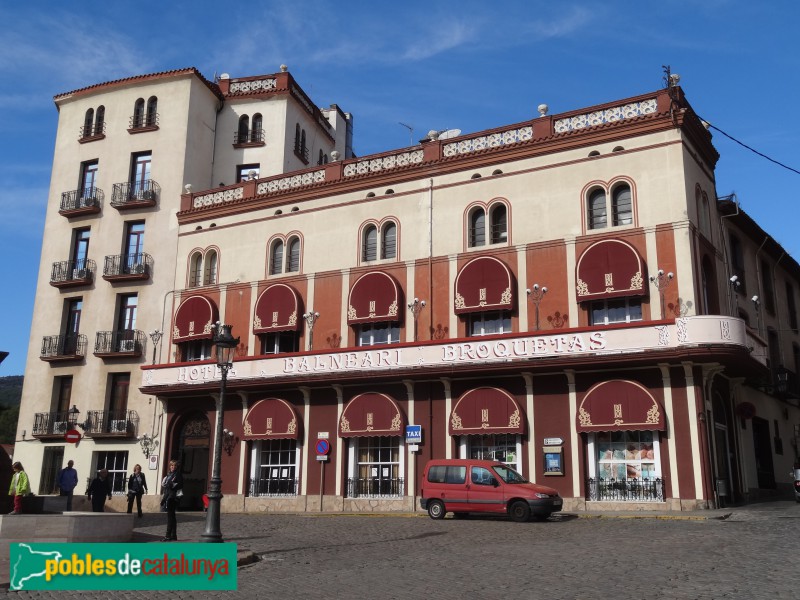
x=443, y=474
x=482, y=476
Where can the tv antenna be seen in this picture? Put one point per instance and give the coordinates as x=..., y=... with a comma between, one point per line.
x=410, y=132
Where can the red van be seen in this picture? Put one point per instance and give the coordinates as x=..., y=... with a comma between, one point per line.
x=464, y=486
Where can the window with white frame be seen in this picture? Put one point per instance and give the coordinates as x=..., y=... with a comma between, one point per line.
x=618, y=310
x=203, y=268
x=279, y=342
x=488, y=323
x=274, y=468
x=375, y=467
x=117, y=464
x=598, y=209
x=503, y=447
x=195, y=350
x=376, y=334
x=624, y=456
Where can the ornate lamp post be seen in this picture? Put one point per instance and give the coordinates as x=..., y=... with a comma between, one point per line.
x=662, y=280
x=311, y=318
x=225, y=347
x=416, y=306
x=148, y=444
x=155, y=336
x=536, y=294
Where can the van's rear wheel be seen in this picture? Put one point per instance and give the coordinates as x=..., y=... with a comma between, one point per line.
x=436, y=509
x=519, y=511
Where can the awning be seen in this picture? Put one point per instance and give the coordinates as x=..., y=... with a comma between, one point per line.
x=486, y=410
x=194, y=319
x=277, y=309
x=375, y=297
x=271, y=418
x=620, y=405
x=610, y=269
x=371, y=415
x=484, y=284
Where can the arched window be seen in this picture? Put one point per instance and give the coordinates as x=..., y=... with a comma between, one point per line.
x=256, y=132
x=138, y=113
x=598, y=216
x=244, y=127
x=152, y=110
x=319, y=160
x=621, y=206
x=196, y=270
x=499, y=224
x=708, y=288
x=297, y=137
x=210, y=268
x=477, y=228
x=99, y=119
x=276, y=258
x=389, y=241
x=293, y=255
x=87, y=123
x=702, y=213
x=369, y=246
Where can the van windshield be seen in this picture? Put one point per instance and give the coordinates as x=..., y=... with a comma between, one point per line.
x=509, y=475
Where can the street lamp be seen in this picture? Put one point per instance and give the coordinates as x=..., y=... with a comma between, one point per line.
x=148, y=444
x=662, y=280
x=73, y=416
x=416, y=306
x=155, y=336
x=225, y=347
x=536, y=294
x=311, y=318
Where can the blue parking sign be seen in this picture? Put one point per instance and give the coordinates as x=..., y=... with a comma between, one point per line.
x=413, y=434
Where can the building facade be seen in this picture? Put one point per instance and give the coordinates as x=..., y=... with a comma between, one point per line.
x=567, y=295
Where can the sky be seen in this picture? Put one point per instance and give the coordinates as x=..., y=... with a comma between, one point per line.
x=467, y=64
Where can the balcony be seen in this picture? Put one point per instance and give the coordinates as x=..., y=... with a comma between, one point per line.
x=248, y=138
x=52, y=425
x=128, y=196
x=139, y=123
x=72, y=273
x=125, y=343
x=128, y=267
x=78, y=203
x=111, y=424
x=63, y=348
x=93, y=133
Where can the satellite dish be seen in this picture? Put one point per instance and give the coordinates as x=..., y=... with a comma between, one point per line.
x=449, y=133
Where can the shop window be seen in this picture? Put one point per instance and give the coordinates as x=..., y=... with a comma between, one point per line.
x=488, y=323
x=274, y=468
x=279, y=342
x=376, y=334
x=375, y=467
x=503, y=447
x=625, y=466
x=116, y=463
x=620, y=310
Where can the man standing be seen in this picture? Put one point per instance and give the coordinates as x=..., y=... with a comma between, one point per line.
x=67, y=480
x=99, y=489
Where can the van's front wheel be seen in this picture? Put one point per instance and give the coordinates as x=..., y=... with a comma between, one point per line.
x=436, y=509
x=520, y=511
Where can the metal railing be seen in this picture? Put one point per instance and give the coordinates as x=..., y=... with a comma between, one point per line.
x=55, y=346
x=625, y=490
x=72, y=270
x=87, y=198
x=301, y=152
x=138, y=263
x=88, y=131
x=284, y=486
x=249, y=136
x=130, y=192
x=142, y=120
x=125, y=341
x=374, y=488
x=53, y=423
x=122, y=423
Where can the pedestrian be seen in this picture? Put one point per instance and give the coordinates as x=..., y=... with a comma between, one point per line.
x=20, y=487
x=137, y=485
x=99, y=489
x=171, y=491
x=67, y=480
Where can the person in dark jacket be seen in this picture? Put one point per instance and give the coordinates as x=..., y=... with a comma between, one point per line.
x=99, y=489
x=171, y=490
x=137, y=485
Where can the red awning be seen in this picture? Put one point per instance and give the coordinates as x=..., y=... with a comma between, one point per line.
x=194, y=319
x=486, y=410
x=610, y=269
x=375, y=297
x=271, y=418
x=277, y=309
x=484, y=284
x=371, y=415
x=620, y=405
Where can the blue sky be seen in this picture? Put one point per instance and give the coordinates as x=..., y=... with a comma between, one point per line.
x=434, y=65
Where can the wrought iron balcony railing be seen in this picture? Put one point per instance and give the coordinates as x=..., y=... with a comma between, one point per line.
x=128, y=342
x=135, y=194
x=143, y=121
x=285, y=486
x=301, y=152
x=93, y=131
x=69, y=273
x=625, y=490
x=128, y=266
x=63, y=347
x=111, y=423
x=88, y=199
x=54, y=424
x=374, y=488
x=249, y=136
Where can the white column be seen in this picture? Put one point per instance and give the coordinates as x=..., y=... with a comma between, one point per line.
x=531, y=426
x=522, y=282
x=451, y=283
x=304, y=450
x=666, y=385
x=411, y=456
x=339, y=410
x=652, y=261
x=241, y=445
x=573, y=431
x=410, y=295
x=343, y=326
x=251, y=337
x=691, y=398
x=572, y=301
x=448, y=409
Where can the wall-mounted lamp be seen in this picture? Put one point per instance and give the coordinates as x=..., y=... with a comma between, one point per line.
x=228, y=441
x=416, y=306
x=735, y=285
x=155, y=336
x=311, y=318
x=536, y=293
x=662, y=280
x=148, y=444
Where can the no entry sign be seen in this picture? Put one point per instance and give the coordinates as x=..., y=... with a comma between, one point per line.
x=73, y=435
x=323, y=447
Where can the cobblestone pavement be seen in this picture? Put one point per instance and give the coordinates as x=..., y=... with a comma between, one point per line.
x=738, y=553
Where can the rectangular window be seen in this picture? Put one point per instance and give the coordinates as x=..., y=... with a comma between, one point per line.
x=275, y=468
x=51, y=465
x=488, y=323
x=118, y=396
x=376, y=471
x=63, y=393
x=80, y=251
x=134, y=247
x=279, y=342
x=374, y=334
x=791, y=306
x=196, y=350
x=117, y=465
x=247, y=172
x=443, y=474
x=625, y=466
x=88, y=186
x=623, y=310
x=502, y=447
x=140, y=176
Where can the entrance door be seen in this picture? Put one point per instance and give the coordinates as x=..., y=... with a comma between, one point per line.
x=51, y=465
x=763, y=453
x=194, y=443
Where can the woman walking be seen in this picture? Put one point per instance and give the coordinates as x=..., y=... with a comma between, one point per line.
x=20, y=487
x=171, y=490
x=137, y=485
